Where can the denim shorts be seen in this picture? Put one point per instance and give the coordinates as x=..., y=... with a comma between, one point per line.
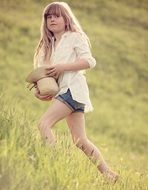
x=75, y=106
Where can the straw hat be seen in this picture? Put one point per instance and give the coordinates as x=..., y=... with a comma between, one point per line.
x=46, y=85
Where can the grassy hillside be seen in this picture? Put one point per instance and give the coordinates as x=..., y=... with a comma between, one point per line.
x=118, y=32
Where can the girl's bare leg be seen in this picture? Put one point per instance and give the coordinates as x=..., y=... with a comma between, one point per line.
x=55, y=112
x=76, y=123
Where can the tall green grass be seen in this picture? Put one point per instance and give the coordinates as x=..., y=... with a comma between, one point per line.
x=27, y=164
x=118, y=90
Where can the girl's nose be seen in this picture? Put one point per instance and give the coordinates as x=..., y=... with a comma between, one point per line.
x=52, y=17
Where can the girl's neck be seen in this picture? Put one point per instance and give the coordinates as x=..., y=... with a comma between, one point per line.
x=58, y=36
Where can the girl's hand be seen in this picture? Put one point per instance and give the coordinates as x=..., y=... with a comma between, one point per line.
x=42, y=97
x=55, y=70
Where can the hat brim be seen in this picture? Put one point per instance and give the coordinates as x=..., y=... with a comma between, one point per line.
x=37, y=74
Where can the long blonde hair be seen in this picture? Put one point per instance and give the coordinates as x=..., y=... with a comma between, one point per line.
x=71, y=24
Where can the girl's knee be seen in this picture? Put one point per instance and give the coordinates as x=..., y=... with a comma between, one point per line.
x=40, y=125
x=44, y=122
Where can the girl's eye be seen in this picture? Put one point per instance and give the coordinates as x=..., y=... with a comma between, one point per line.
x=56, y=16
x=49, y=16
x=53, y=16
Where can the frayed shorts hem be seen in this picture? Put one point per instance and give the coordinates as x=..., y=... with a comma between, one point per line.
x=67, y=99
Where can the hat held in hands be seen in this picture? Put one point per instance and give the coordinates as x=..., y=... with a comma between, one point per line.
x=46, y=85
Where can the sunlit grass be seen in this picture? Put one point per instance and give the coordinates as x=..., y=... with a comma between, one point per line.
x=27, y=164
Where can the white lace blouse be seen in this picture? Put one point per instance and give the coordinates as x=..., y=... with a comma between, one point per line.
x=71, y=47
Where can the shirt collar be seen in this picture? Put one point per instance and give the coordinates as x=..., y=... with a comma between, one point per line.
x=66, y=34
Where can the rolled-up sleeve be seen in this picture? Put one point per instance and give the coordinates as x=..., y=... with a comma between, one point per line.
x=82, y=49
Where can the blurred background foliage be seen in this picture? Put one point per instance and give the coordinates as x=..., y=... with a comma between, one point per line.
x=118, y=31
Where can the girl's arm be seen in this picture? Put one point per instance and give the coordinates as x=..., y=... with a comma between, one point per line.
x=84, y=58
x=80, y=64
x=56, y=70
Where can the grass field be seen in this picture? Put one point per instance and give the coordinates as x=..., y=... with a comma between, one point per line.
x=118, y=32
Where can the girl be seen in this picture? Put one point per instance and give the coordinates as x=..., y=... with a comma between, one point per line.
x=65, y=48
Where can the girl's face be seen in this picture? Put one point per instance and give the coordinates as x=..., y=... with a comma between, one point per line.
x=55, y=23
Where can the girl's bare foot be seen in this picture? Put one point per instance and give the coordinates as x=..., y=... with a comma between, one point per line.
x=107, y=172
x=110, y=176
